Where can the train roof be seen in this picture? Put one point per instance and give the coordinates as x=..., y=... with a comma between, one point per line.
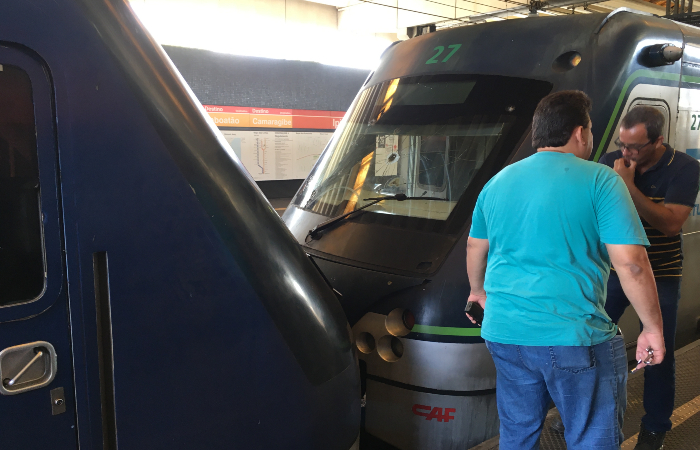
x=528, y=47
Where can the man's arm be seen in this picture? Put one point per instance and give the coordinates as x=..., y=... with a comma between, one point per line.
x=668, y=219
x=637, y=279
x=477, y=254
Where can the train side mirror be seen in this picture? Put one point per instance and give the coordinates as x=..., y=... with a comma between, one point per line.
x=660, y=55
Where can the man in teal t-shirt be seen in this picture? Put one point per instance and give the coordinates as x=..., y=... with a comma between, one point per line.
x=544, y=233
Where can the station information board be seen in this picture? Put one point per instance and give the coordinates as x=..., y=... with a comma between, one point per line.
x=277, y=155
x=281, y=148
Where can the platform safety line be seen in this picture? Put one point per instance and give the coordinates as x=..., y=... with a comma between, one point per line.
x=680, y=415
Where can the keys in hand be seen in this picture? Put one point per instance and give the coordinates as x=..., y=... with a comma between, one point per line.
x=648, y=361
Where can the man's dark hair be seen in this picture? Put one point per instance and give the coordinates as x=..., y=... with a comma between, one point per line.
x=651, y=117
x=556, y=117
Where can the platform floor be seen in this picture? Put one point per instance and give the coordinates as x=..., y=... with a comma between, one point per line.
x=685, y=434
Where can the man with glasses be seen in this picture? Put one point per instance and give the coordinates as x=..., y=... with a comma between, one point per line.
x=663, y=184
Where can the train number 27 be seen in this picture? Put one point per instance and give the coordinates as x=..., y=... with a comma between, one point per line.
x=439, y=49
x=696, y=124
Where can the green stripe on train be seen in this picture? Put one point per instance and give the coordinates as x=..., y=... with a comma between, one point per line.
x=446, y=331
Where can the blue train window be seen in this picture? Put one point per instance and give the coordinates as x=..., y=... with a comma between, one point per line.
x=22, y=273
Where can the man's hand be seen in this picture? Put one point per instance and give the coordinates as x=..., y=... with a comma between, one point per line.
x=476, y=297
x=653, y=341
x=626, y=172
x=477, y=254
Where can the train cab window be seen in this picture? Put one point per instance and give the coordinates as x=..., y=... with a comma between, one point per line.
x=659, y=104
x=21, y=244
x=663, y=108
x=427, y=137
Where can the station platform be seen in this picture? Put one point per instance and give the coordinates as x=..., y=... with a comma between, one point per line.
x=685, y=434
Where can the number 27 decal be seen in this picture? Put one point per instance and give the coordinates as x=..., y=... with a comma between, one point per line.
x=439, y=49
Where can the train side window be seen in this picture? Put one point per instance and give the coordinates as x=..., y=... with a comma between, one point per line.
x=22, y=265
x=659, y=104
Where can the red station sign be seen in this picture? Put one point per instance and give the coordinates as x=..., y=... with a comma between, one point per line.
x=252, y=117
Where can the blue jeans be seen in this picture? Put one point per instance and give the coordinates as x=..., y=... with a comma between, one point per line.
x=659, y=380
x=587, y=384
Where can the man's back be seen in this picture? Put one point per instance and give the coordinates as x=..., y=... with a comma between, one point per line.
x=547, y=219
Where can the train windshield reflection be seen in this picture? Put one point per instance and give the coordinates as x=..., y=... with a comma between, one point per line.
x=425, y=136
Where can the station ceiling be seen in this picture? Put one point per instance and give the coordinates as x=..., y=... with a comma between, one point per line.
x=399, y=14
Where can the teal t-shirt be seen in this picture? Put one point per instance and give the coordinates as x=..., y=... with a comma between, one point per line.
x=547, y=219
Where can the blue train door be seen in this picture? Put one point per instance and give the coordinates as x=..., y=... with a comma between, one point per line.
x=37, y=404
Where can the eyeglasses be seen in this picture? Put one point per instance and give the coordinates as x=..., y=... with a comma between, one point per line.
x=631, y=147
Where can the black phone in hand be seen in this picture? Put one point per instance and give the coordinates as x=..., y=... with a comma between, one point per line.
x=476, y=311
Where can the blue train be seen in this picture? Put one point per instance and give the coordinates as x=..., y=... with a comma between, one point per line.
x=150, y=297
x=386, y=210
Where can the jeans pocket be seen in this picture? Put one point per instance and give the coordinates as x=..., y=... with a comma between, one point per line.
x=619, y=356
x=573, y=359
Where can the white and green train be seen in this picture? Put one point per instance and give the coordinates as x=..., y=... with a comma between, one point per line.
x=440, y=116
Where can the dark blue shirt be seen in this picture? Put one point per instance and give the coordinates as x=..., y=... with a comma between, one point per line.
x=673, y=179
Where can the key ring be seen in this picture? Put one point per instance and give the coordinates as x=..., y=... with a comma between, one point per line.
x=650, y=352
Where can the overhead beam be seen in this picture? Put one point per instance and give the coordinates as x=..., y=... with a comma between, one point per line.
x=505, y=12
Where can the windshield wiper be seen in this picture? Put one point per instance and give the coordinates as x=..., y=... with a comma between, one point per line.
x=314, y=233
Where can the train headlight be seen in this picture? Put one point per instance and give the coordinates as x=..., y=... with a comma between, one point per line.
x=575, y=60
x=566, y=61
x=400, y=322
x=390, y=348
x=365, y=343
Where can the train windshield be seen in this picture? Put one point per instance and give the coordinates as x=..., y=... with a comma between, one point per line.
x=422, y=137
x=435, y=139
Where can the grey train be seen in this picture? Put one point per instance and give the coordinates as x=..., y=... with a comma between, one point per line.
x=440, y=115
